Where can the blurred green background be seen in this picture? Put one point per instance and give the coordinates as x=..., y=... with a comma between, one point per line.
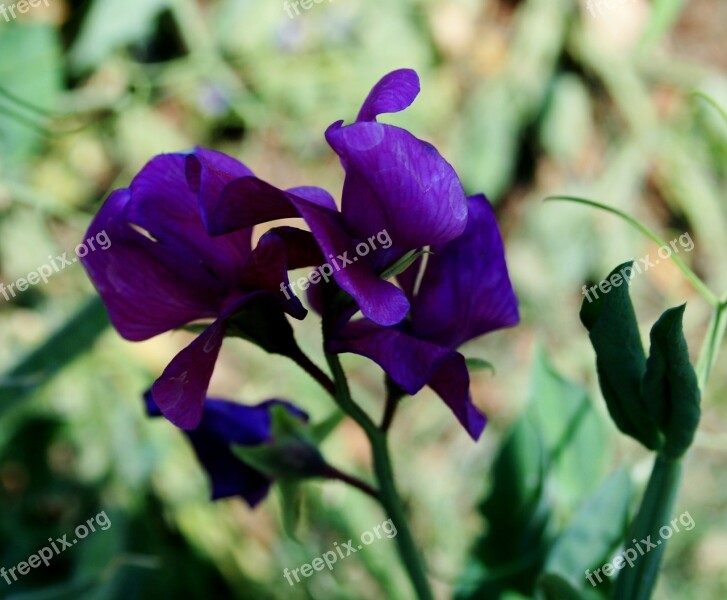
x=526, y=98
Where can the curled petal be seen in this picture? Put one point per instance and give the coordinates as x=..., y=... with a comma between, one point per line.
x=393, y=93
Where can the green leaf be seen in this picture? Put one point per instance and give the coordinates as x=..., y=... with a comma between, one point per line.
x=671, y=391
x=554, y=587
x=291, y=502
x=573, y=433
x=587, y=542
x=510, y=555
x=292, y=452
x=609, y=316
x=478, y=364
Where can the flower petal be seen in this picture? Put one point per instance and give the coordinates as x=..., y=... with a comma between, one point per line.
x=412, y=363
x=181, y=389
x=224, y=424
x=250, y=201
x=161, y=269
x=466, y=290
x=397, y=183
x=393, y=93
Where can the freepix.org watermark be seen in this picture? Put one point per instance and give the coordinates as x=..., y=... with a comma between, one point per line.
x=61, y=544
x=630, y=556
x=289, y=7
x=8, y=10
x=330, y=558
x=640, y=266
x=326, y=270
x=46, y=271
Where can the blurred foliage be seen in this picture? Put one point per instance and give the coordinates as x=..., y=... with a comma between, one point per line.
x=526, y=98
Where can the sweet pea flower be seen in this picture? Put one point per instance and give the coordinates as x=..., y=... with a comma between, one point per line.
x=164, y=271
x=225, y=424
x=394, y=182
x=465, y=292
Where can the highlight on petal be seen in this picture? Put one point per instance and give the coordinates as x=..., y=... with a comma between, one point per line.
x=398, y=183
x=393, y=93
x=466, y=290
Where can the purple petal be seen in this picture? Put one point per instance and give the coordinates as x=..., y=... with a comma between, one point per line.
x=249, y=201
x=393, y=93
x=162, y=269
x=180, y=391
x=208, y=172
x=398, y=183
x=466, y=290
x=412, y=363
x=222, y=425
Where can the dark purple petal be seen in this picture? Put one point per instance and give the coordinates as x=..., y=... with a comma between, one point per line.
x=181, y=389
x=224, y=424
x=162, y=269
x=393, y=93
x=466, y=290
x=412, y=363
x=398, y=183
x=208, y=172
x=242, y=206
x=451, y=381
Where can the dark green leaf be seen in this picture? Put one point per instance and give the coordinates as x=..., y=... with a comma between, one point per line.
x=554, y=587
x=671, y=390
x=609, y=316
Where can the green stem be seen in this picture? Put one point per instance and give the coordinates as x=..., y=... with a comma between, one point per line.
x=388, y=494
x=711, y=344
x=698, y=284
x=637, y=582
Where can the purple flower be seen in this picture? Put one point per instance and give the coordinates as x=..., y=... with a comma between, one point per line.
x=465, y=292
x=164, y=271
x=223, y=425
x=394, y=183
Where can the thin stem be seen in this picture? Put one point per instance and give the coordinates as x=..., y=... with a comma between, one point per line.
x=388, y=494
x=305, y=363
x=394, y=394
x=637, y=582
x=333, y=473
x=711, y=345
x=698, y=284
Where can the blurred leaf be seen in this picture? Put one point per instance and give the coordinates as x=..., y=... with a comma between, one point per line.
x=662, y=16
x=291, y=504
x=510, y=555
x=573, y=433
x=479, y=364
x=111, y=24
x=37, y=368
x=670, y=385
x=587, y=541
x=620, y=359
x=30, y=71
